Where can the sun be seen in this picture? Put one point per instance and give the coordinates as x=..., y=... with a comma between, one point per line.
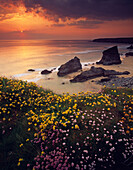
x=21, y=31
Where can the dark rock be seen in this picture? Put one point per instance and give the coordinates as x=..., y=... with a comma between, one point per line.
x=31, y=70
x=96, y=72
x=118, y=82
x=105, y=79
x=71, y=66
x=110, y=56
x=112, y=76
x=86, y=75
x=46, y=72
x=85, y=64
x=130, y=47
x=129, y=54
x=53, y=69
x=126, y=72
x=115, y=40
x=113, y=72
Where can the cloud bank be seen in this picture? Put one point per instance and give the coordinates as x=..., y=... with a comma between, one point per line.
x=89, y=9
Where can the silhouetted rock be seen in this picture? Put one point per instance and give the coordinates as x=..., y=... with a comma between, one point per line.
x=86, y=64
x=113, y=72
x=115, y=40
x=110, y=56
x=105, y=79
x=46, y=72
x=129, y=54
x=96, y=72
x=31, y=70
x=89, y=74
x=130, y=47
x=71, y=66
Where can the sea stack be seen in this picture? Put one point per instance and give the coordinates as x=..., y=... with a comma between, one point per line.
x=110, y=56
x=71, y=66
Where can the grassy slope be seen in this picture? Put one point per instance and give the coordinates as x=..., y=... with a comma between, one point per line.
x=43, y=130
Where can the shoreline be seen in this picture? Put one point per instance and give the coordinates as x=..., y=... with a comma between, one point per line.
x=89, y=85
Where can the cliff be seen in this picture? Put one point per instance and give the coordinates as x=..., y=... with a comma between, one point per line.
x=115, y=40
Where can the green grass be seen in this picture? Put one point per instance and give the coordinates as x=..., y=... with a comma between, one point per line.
x=42, y=130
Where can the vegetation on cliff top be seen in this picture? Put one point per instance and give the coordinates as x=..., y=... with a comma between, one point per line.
x=43, y=130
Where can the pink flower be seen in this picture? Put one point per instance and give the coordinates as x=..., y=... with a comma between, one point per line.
x=28, y=165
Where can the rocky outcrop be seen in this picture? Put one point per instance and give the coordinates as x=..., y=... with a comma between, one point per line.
x=71, y=66
x=46, y=72
x=118, y=82
x=89, y=74
x=96, y=72
x=110, y=56
x=31, y=70
x=130, y=47
x=129, y=54
x=108, y=73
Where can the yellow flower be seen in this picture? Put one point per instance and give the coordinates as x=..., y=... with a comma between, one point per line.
x=20, y=159
x=18, y=164
x=21, y=145
x=53, y=127
x=27, y=140
x=127, y=132
x=76, y=126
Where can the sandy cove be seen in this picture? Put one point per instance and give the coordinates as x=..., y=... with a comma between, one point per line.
x=55, y=83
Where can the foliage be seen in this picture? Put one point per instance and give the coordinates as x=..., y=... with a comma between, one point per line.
x=42, y=130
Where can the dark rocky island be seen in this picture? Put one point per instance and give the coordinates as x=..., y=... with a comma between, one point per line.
x=96, y=72
x=110, y=56
x=46, y=72
x=115, y=40
x=129, y=54
x=71, y=66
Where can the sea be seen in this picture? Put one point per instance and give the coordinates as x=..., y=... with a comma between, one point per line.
x=17, y=56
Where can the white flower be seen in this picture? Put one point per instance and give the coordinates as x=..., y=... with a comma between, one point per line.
x=112, y=149
x=100, y=159
x=85, y=151
x=107, y=142
x=119, y=140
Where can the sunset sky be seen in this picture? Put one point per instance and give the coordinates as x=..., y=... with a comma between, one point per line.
x=65, y=19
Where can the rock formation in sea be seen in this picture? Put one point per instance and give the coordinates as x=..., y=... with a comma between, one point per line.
x=31, y=70
x=89, y=74
x=96, y=72
x=46, y=72
x=110, y=56
x=129, y=54
x=130, y=47
x=71, y=66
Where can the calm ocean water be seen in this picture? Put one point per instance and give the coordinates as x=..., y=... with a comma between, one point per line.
x=17, y=56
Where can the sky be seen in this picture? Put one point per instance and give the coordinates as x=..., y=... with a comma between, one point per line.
x=65, y=19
